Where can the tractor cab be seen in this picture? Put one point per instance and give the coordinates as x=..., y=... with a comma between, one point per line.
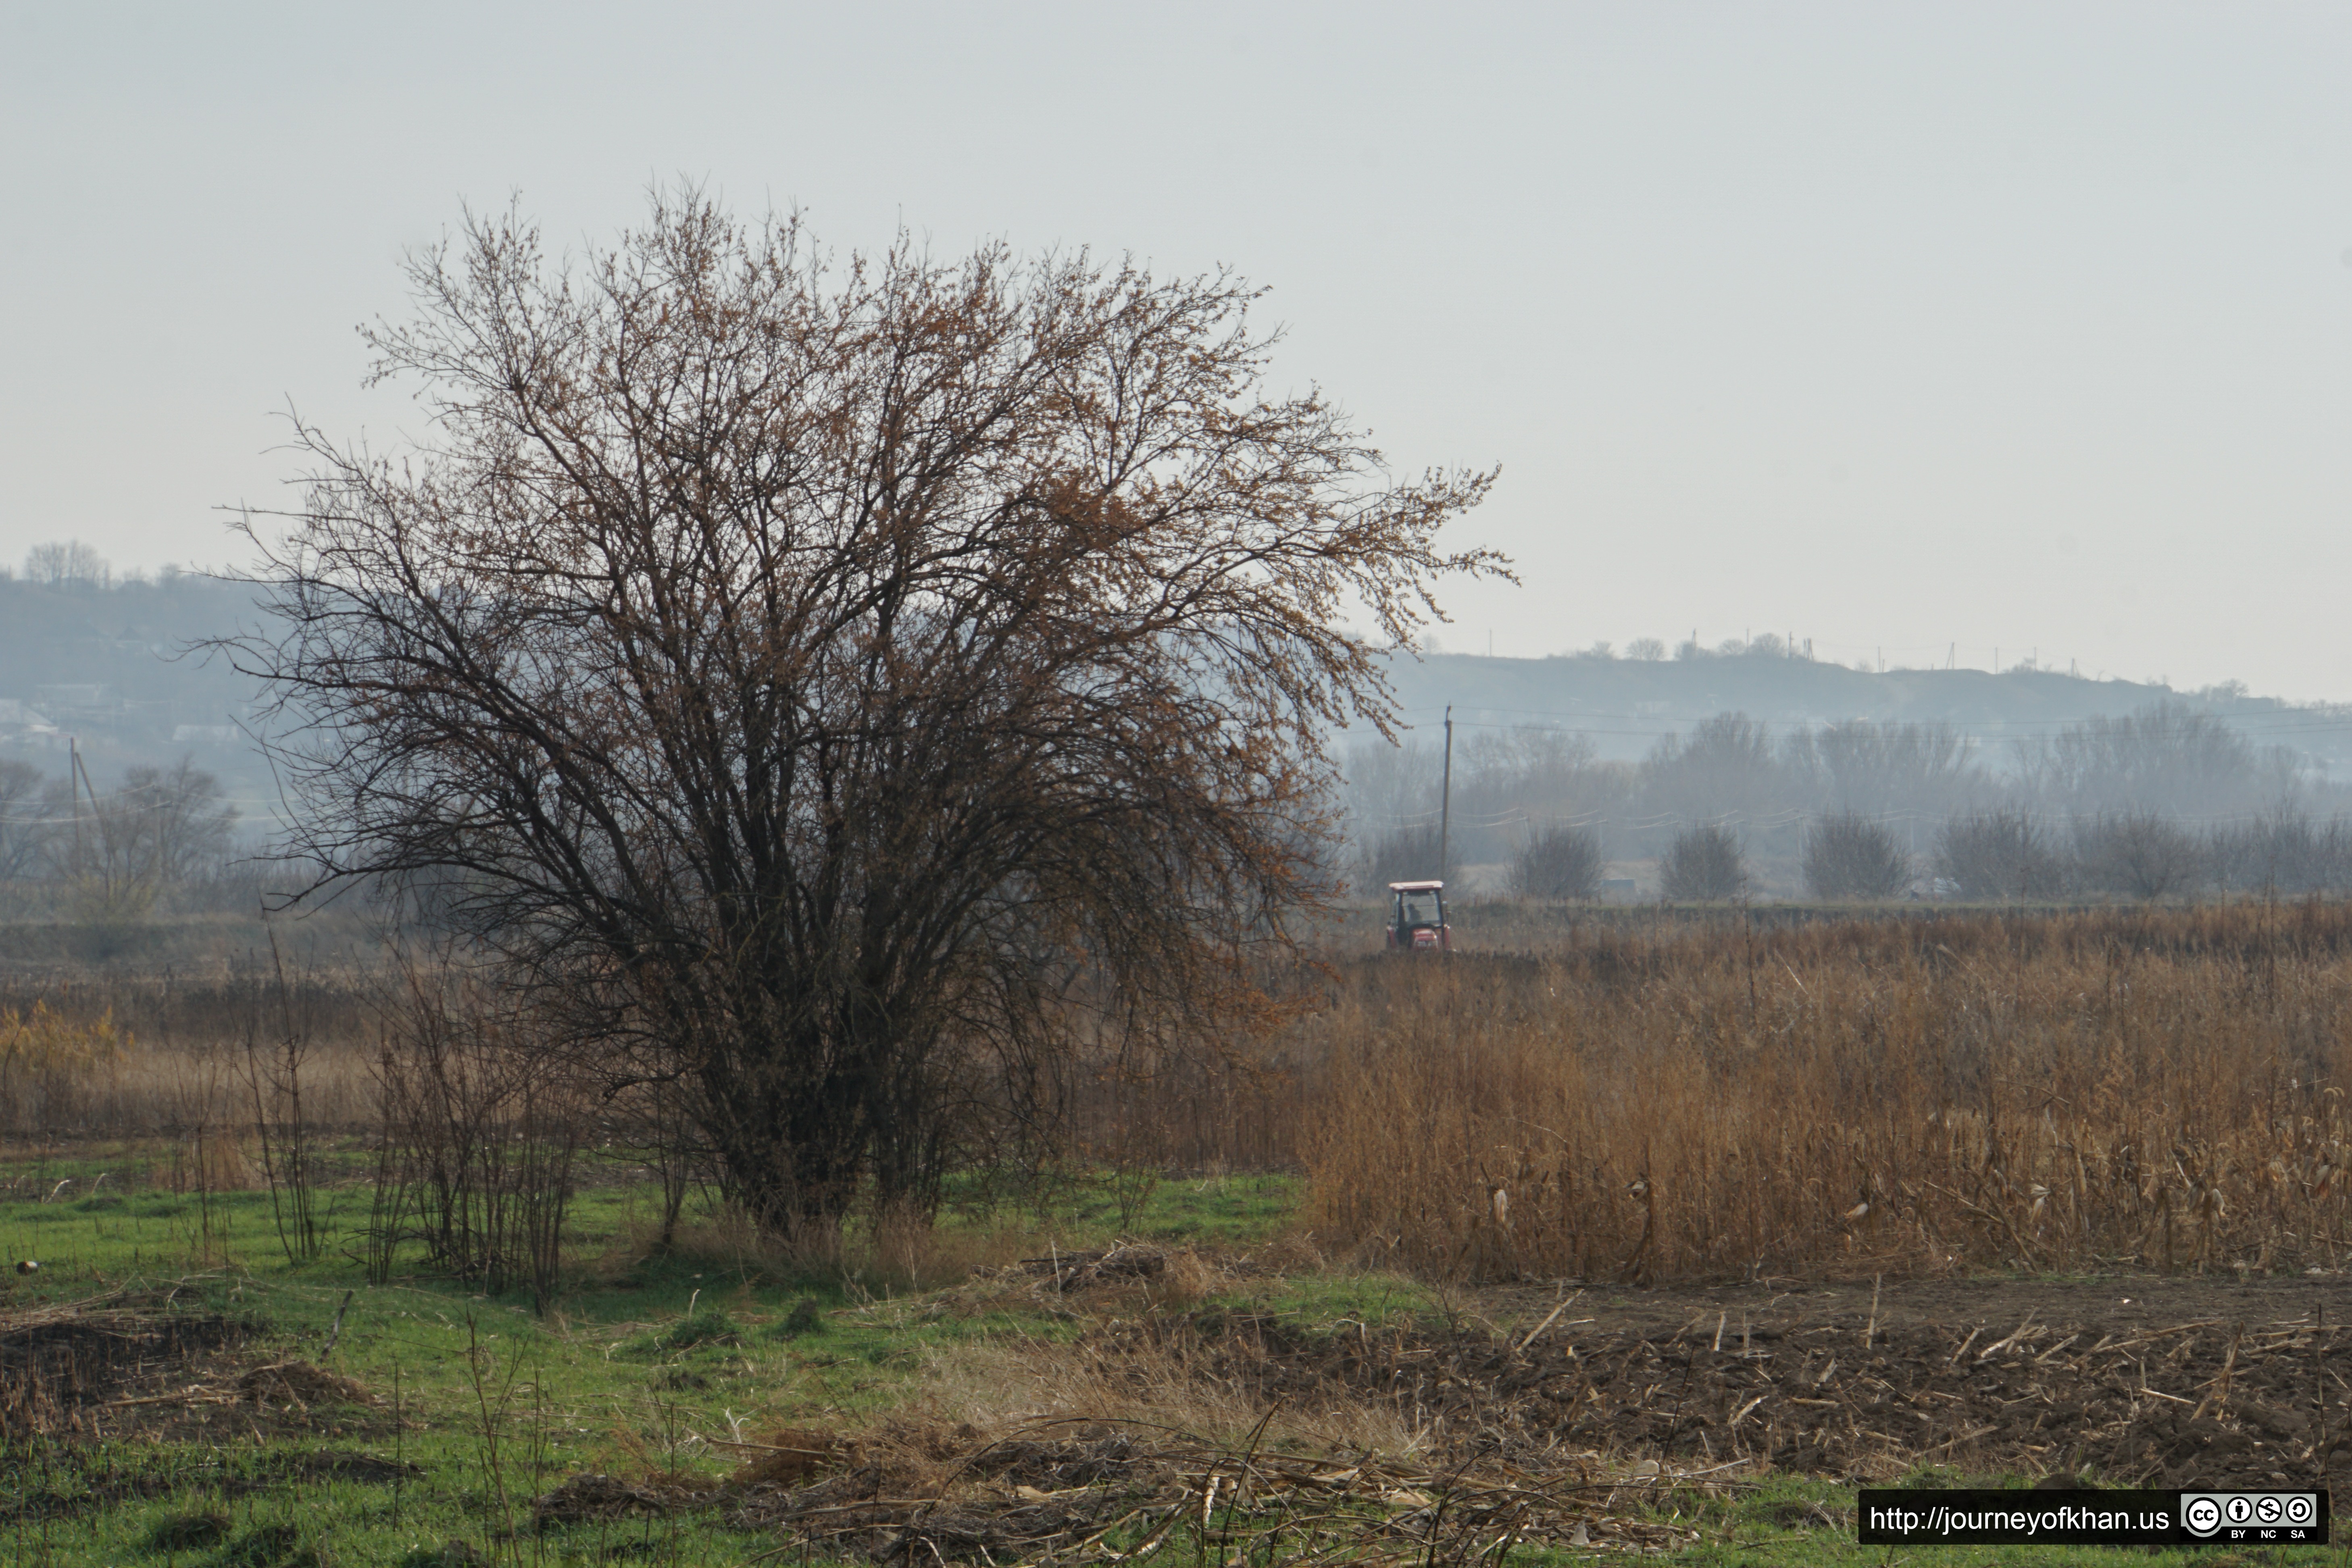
x=1417, y=918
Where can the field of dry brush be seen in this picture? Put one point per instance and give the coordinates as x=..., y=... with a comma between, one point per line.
x=2159, y=1088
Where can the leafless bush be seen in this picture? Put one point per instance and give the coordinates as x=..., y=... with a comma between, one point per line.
x=1702, y=863
x=2141, y=853
x=482, y=1123
x=2283, y=852
x=1557, y=863
x=279, y=1034
x=2001, y=854
x=1848, y=856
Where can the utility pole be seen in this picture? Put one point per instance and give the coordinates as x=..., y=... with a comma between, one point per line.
x=1446, y=795
x=73, y=754
x=98, y=821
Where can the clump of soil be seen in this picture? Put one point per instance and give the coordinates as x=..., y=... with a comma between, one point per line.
x=788, y=1455
x=189, y=1532
x=62, y=1365
x=591, y=1497
x=300, y=1382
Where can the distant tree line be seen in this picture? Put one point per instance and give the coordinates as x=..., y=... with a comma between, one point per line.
x=2166, y=800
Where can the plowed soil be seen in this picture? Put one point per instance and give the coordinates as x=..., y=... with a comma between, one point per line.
x=2154, y=1380
x=1571, y=1416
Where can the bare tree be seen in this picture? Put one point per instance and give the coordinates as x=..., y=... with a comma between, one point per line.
x=1702, y=864
x=1561, y=863
x=120, y=849
x=1385, y=784
x=2141, y=853
x=1405, y=855
x=2166, y=757
x=1859, y=765
x=1849, y=856
x=24, y=819
x=845, y=690
x=1543, y=773
x=60, y=564
x=175, y=820
x=1725, y=765
x=2283, y=851
x=2001, y=854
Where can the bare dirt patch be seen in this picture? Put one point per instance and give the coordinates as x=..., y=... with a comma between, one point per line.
x=143, y=1363
x=2160, y=1381
x=62, y=1366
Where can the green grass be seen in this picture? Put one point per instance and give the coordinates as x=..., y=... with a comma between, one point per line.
x=646, y=1357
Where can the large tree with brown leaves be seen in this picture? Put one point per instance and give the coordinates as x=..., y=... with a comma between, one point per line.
x=842, y=687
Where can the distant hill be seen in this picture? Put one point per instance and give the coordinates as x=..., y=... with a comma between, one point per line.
x=113, y=667
x=1625, y=704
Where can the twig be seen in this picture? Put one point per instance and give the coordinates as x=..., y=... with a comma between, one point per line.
x=336, y=1331
x=1993, y=1350
x=2218, y=1386
x=1565, y=1304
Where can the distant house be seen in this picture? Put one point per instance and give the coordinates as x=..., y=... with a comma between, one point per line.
x=75, y=706
x=19, y=722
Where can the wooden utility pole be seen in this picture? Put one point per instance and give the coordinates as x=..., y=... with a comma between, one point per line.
x=1446, y=795
x=73, y=755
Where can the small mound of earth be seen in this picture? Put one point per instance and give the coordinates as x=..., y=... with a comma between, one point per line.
x=300, y=1382
x=61, y=1366
x=1085, y=1270
x=591, y=1497
x=789, y=1455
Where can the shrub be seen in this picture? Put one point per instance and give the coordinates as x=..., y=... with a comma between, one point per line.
x=2001, y=854
x=707, y=1327
x=1848, y=856
x=2283, y=852
x=1702, y=863
x=1557, y=863
x=2141, y=853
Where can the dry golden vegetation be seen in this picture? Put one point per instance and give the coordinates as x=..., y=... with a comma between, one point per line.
x=1630, y=1100
x=107, y=1056
x=2160, y=1087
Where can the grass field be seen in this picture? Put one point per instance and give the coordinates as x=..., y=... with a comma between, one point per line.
x=1355, y=1353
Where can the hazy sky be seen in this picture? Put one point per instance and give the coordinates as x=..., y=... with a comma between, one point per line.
x=1891, y=326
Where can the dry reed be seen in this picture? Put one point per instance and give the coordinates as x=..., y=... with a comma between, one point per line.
x=2154, y=1088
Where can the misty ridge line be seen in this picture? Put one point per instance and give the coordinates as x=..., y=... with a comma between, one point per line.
x=1772, y=645
x=2174, y=758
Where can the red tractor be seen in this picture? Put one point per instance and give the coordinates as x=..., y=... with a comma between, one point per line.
x=1417, y=918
